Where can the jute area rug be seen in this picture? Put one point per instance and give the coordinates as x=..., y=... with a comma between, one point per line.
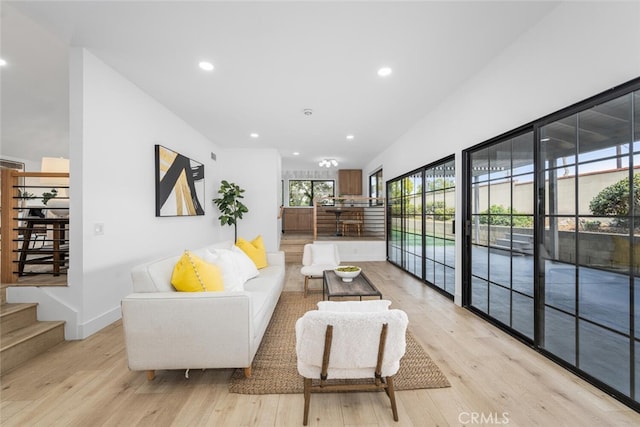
x=274, y=368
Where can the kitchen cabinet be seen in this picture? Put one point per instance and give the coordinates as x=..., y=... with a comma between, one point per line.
x=350, y=182
x=299, y=220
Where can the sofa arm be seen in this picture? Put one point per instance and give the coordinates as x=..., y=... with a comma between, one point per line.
x=275, y=258
x=180, y=330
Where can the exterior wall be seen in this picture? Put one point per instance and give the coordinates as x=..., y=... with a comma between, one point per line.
x=590, y=185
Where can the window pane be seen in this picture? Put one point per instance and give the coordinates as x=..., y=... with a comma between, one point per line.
x=480, y=165
x=604, y=128
x=560, y=286
x=479, y=198
x=522, y=274
x=523, y=194
x=480, y=262
x=559, y=334
x=439, y=249
x=636, y=304
x=450, y=280
x=430, y=271
x=322, y=189
x=636, y=121
x=479, y=294
x=300, y=193
x=558, y=143
x=500, y=267
x=603, y=189
x=604, y=298
x=605, y=355
x=522, y=161
x=439, y=275
x=500, y=160
x=499, y=304
x=523, y=314
x=560, y=191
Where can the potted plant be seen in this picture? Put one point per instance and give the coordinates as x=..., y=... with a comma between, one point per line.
x=230, y=206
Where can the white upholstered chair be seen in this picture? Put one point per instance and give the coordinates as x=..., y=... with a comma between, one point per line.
x=316, y=258
x=350, y=340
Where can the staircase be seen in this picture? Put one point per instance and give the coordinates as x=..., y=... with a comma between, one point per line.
x=293, y=246
x=22, y=336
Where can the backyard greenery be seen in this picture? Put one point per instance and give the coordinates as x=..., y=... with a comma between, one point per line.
x=499, y=215
x=614, y=201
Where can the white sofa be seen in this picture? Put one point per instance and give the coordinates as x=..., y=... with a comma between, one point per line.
x=166, y=329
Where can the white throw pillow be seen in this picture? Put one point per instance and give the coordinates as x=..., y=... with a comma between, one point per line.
x=224, y=260
x=241, y=266
x=355, y=306
x=246, y=267
x=323, y=254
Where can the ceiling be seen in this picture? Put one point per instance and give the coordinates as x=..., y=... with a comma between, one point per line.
x=272, y=60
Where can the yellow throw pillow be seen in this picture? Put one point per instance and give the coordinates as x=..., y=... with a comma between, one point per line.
x=193, y=274
x=254, y=250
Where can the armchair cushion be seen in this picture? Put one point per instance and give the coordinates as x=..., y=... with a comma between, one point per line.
x=318, y=257
x=354, y=306
x=323, y=254
x=354, y=348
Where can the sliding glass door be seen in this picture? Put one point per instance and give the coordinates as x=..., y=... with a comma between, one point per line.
x=502, y=233
x=420, y=231
x=552, y=237
x=590, y=259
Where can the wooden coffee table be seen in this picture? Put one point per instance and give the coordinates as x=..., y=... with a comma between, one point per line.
x=360, y=286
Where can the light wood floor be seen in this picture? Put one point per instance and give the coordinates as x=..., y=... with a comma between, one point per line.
x=495, y=381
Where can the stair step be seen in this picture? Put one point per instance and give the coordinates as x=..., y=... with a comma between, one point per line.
x=16, y=316
x=25, y=343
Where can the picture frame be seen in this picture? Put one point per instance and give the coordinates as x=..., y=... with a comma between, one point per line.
x=179, y=184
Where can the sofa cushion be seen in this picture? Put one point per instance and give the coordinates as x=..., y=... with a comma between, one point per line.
x=224, y=259
x=243, y=267
x=193, y=274
x=255, y=250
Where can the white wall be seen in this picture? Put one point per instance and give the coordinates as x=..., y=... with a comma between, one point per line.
x=258, y=171
x=114, y=128
x=580, y=49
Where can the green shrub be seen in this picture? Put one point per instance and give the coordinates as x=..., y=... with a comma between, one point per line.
x=499, y=215
x=439, y=211
x=614, y=200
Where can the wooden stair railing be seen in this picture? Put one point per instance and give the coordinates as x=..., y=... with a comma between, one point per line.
x=11, y=247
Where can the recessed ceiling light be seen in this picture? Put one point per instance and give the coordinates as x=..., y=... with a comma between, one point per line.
x=384, y=71
x=350, y=136
x=254, y=135
x=2, y=62
x=295, y=153
x=207, y=66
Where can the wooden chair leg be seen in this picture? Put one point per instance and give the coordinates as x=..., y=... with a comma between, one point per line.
x=306, y=285
x=307, y=399
x=151, y=374
x=392, y=397
x=247, y=372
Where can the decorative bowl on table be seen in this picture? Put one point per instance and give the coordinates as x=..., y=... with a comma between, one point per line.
x=347, y=272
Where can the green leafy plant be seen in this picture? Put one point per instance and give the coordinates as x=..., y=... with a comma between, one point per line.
x=614, y=200
x=230, y=206
x=25, y=195
x=49, y=195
